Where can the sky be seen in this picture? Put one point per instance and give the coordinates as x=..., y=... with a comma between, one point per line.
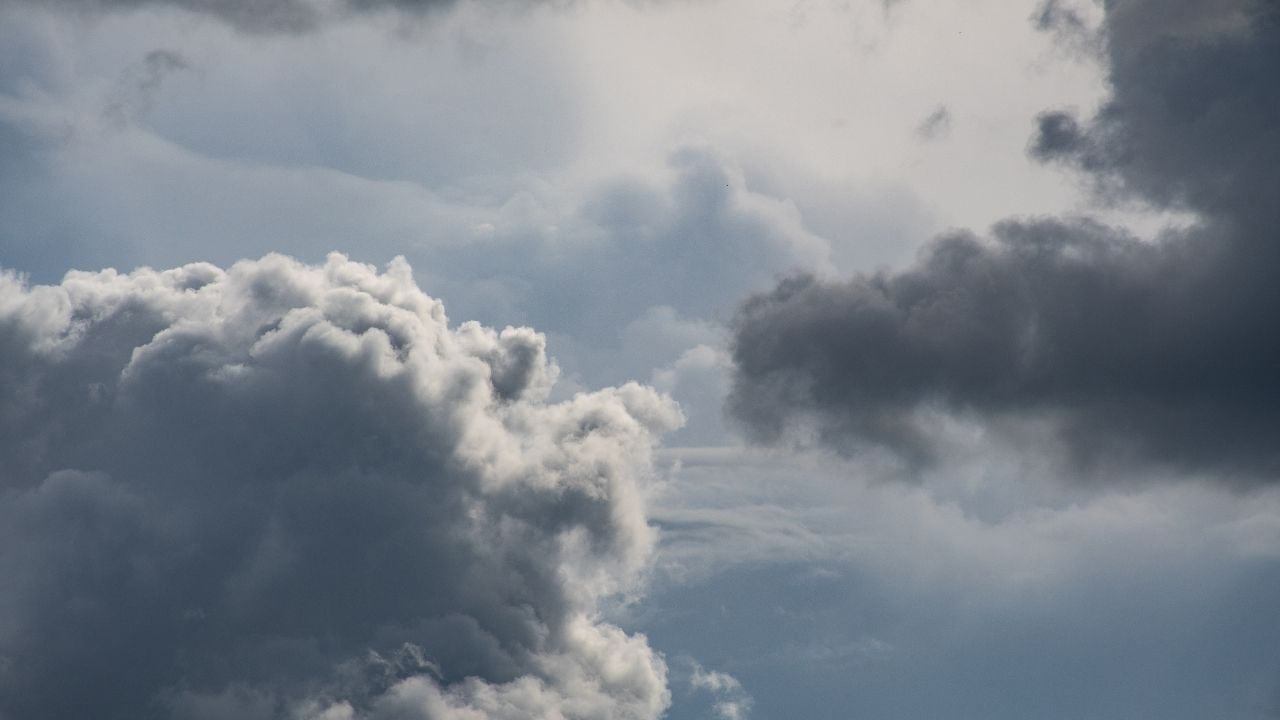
x=639, y=359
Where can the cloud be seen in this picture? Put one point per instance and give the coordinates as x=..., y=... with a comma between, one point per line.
x=135, y=93
x=823, y=587
x=578, y=263
x=935, y=125
x=732, y=701
x=1072, y=24
x=1187, y=121
x=291, y=491
x=270, y=17
x=1161, y=354
x=695, y=242
x=711, y=693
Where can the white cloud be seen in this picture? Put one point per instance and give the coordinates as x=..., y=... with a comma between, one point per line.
x=732, y=701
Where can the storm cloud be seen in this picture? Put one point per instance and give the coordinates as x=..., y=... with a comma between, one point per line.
x=1161, y=353
x=291, y=491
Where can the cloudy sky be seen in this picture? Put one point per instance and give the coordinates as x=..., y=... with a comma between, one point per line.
x=629, y=359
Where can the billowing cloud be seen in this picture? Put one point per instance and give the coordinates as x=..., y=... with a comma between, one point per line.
x=1160, y=353
x=291, y=491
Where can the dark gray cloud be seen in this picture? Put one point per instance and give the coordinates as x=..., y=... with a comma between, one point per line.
x=1191, y=119
x=1164, y=352
x=290, y=491
x=1058, y=136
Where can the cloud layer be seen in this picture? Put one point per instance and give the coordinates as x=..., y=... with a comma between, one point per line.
x=273, y=16
x=1159, y=353
x=281, y=490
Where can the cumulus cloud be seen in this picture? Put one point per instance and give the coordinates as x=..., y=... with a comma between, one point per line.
x=288, y=491
x=1161, y=353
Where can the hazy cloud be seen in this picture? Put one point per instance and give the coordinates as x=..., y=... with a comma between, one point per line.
x=288, y=491
x=732, y=702
x=1071, y=23
x=1126, y=350
x=818, y=584
x=267, y=17
x=935, y=125
x=135, y=92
